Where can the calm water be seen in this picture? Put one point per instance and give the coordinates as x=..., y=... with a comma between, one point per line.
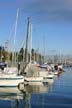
x=57, y=94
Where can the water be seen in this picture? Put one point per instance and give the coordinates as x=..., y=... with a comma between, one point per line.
x=57, y=94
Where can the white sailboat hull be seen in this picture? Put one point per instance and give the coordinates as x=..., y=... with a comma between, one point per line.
x=39, y=79
x=11, y=81
x=33, y=79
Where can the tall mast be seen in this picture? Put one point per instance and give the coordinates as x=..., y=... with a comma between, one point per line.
x=44, y=47
x=26, y=49
x=14, y=53
x=30, y=41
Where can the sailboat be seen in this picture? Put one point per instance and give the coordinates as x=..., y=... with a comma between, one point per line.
x=34, y=74
x=9, y=75
x=8, y=79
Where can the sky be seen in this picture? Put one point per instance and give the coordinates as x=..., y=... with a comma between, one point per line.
x=51, y=24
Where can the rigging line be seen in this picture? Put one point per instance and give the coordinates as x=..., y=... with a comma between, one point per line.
x=21, y=44
x=10, y=34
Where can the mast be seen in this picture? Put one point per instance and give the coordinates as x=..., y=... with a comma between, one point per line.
x=6, y=52
x=30, y=40
x=26, y=48
x=14, y=53
x=44, y=47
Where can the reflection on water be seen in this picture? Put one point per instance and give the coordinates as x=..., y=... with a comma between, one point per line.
x=36, y=88
x=55, y=94
x=10, y=97
x=13, y=97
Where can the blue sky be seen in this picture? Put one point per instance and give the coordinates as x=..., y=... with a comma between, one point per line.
x=51, y=22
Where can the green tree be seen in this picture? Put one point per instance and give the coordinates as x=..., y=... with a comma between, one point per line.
x=20, y=55
x=32, y=53
x=11, y=56
x=2, y=56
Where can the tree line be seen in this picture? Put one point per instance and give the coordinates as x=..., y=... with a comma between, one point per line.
x=20, y=56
